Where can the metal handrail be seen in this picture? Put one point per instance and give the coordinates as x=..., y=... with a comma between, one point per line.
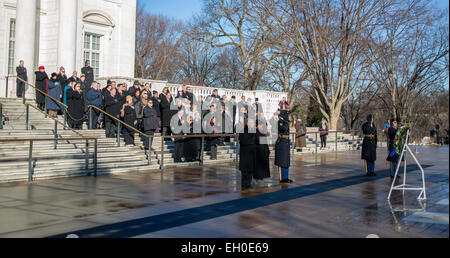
x=56, y=120
x=47, y=139
x=30, y=153
x=120, y=121
x=42, y=92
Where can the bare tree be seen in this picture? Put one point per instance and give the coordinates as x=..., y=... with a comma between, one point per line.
x=413, y=63
x=359, y=104
x=157, y=46
x=237, y=23
x=332, y=39
x=288, y=76
x=199, y=63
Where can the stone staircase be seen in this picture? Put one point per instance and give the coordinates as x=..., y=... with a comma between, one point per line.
x=68, y=159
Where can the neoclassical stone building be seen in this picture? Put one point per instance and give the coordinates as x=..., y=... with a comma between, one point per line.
x=56, y=33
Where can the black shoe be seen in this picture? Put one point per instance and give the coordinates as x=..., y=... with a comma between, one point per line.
x=286, y=181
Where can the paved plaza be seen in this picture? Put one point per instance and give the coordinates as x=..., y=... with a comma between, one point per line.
x=330, y=197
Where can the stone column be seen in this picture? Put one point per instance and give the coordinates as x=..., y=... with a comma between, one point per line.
x=67, y=37
x=26, y=11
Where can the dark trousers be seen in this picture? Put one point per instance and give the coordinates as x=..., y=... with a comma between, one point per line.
x=393, y=168
x=213, y=151
x=246, y=180
x=369, y=166
x=158, y=129
x=20, y=88
x=148, y=141
x=284, y=173
x=323, y=141
x=166, y=131
x=110, y=129
x=178, y=151
x=95, y=115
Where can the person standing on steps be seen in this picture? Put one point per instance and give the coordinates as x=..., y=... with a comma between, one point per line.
x=150, y=118
x=88, y=71
x=22, y=74
x=54, y=91
x=41, y=86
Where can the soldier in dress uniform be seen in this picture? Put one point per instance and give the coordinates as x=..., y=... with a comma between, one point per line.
x=282, y=149
x=369, y=146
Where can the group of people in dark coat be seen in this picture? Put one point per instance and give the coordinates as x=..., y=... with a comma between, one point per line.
x=53, y=92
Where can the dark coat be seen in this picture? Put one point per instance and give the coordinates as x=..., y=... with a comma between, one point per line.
x=121, y=97
x=41, y=84
x=166, y=113
x=262, y=164
x=112, y=107
x=391, y=133
x=75, y=105
x=283, y=145
x=63, y=81
x=74, y=79
x=156, y=105
x=130, y=116
x=247, y=153
x=300, y=136
x=22, y=74
x=369, y=146
x=323, y=132
x=54, y=90
x=150, y=119
x=94, y=97
x=191, y=147
x=89, y=75
x=132, y=91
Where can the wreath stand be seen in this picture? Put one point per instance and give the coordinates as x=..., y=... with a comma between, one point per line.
x=404, y=186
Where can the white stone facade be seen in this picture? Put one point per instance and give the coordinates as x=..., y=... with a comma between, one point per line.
x=57, y=37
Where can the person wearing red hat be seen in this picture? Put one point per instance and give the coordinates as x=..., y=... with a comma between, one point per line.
x=41, y=86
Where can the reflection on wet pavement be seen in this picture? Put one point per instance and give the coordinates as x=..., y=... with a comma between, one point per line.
x=329, y=198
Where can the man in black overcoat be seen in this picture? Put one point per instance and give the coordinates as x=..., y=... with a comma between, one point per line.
x=88, y=71
x=22, y=74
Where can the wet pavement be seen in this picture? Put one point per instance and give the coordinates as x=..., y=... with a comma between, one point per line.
x=330, y=197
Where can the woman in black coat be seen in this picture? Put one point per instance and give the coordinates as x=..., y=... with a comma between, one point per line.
x=369, y=146
x=166, y=113
x=112, y=107
x=75, y=105
x=150, y=121
x=41, y=84
x=129, y=117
